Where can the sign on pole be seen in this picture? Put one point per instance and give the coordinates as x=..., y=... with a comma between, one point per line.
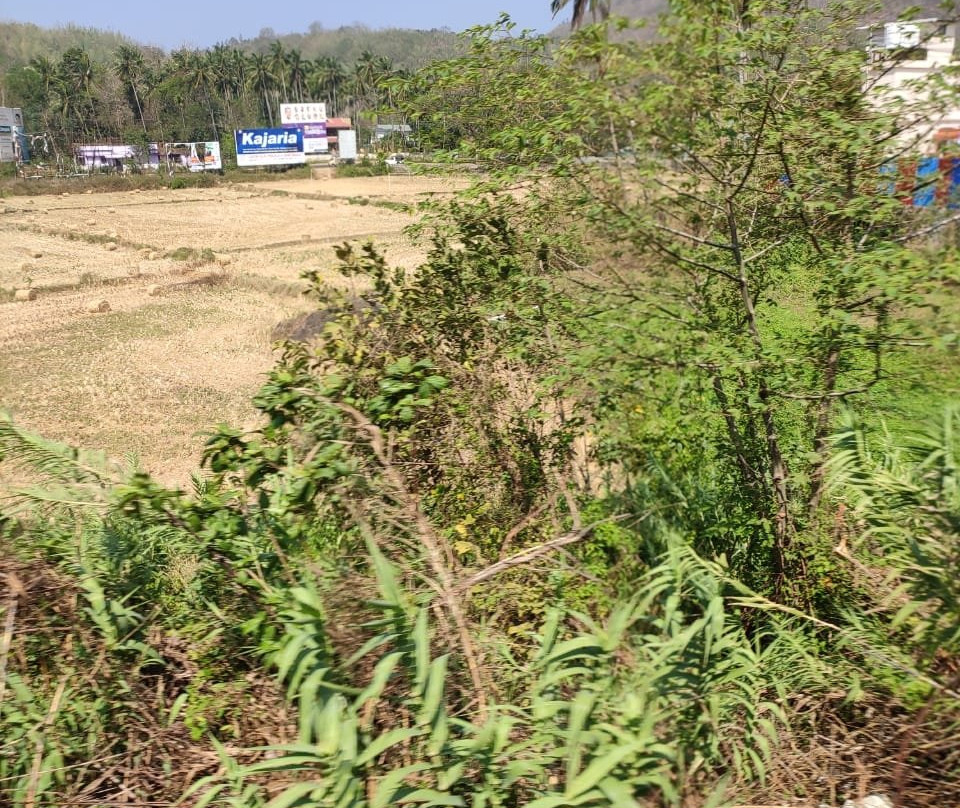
x=199, y=156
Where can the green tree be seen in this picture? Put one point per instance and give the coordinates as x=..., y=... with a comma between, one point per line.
x=298, y=69
x=746, y=276
x=128, y=65
x=76, y=75
x=203, y=77
x=326, y=79
x=278, y=60
x=261, y=78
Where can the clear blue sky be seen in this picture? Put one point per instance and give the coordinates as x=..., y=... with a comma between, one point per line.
x=203, y=23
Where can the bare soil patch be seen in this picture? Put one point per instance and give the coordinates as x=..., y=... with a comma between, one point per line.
x=196, y=281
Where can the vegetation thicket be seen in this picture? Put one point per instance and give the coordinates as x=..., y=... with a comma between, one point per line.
x=640, y=491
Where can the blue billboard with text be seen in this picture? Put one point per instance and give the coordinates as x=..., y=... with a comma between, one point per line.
x=269, y=147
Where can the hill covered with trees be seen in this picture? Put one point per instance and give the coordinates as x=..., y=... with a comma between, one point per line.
x=139, y=95
x=78, y=84
x=652, y=10
x=408, y=48
x=22, y=42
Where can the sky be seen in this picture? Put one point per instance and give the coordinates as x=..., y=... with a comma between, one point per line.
x=207, y=22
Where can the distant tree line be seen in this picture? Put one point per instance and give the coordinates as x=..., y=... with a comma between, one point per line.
x=144, y=95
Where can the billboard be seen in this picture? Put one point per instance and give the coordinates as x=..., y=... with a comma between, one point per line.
x=108, y=156
x=12, y=141
x=315, y=138
x=312, y=118
x=303, y=113
x=13, y=116
x=269, y=147
x=199, y=156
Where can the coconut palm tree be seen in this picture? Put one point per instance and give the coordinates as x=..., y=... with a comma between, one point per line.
x=278, y=66
x=261, y=78
x=298, y=69
x=326, y=79
x=202, y=77
x=366, y=71
x=75, y=73
x=49, y=83
x=128, y=66
x=599, y=10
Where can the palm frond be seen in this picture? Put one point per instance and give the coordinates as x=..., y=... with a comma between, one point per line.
x=71, y=476
x=52, y=458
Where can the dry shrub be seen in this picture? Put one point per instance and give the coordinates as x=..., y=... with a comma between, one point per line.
x=309, y=326
x=139, y=754
x=303, y=327
x=839, y=751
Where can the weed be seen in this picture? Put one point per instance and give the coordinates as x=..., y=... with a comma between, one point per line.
x=205, y=255
x=365, y=168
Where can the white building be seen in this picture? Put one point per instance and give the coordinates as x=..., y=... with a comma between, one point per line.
x=902, y=54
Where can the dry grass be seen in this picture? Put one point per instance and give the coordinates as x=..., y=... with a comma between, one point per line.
x=149, y=376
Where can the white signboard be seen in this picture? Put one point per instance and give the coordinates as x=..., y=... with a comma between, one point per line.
x=314, y=136
x=303, y=113
x=900, y=35
x=312, y=118
x=347, y=144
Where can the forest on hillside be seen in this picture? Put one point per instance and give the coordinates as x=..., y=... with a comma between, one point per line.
x=79, y=85
x=21, y=42
x=137, y=96
x=410, y=49
x=642, y=490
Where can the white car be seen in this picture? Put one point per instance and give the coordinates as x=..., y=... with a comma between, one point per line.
x=394, y=160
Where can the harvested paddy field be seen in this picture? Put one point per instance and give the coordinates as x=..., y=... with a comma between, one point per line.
x=193, y=281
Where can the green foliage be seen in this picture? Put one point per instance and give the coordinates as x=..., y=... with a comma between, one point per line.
x=364, y=168
x=22, y=42
x=907, y=496
x=741, y=276
x=606, y=720
x=543, y=521
x=82, y=93
x=205, y=255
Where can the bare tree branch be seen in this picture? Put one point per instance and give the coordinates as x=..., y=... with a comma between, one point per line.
x=533, y=553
